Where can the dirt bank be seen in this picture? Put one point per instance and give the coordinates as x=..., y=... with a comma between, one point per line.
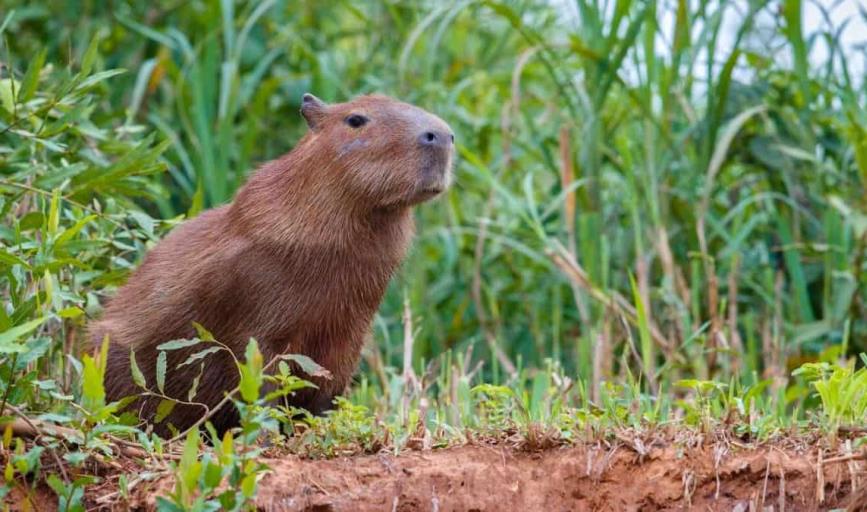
x=481, y=478
x=621, y=476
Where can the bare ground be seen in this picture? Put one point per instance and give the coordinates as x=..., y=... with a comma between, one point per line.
x=616, y=478
x=622, y=476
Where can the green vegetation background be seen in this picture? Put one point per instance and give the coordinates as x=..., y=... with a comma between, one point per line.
x=632, y=204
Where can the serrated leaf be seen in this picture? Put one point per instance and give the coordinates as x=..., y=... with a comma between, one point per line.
x=137, y=376
x=194, y=387
x=161, y=372
x=199, y=355
x=178, y=344
x=75, y=458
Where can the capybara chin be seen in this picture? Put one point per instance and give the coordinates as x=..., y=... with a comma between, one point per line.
x=299, y=260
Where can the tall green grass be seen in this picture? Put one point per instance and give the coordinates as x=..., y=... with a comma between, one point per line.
x=632, y=199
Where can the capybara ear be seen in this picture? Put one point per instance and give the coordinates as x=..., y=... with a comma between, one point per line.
x=313, y=109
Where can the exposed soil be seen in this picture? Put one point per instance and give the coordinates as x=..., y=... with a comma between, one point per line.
x=483, y=478
x=576, y=478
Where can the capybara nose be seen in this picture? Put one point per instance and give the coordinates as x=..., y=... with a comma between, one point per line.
x=436, y=138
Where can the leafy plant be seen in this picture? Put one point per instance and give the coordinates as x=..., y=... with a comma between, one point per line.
x=225, y=477
x=842, y=391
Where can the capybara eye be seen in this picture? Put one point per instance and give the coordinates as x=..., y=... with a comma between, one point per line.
x=356, y=121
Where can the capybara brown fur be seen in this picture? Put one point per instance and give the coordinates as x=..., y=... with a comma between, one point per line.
x=299, y=260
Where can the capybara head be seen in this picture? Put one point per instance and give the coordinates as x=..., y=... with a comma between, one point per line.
x=381, y=153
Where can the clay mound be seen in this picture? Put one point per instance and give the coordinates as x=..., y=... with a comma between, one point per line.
x=479, y=478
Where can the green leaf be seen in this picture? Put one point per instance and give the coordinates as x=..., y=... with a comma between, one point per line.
x=8, y=88
x=197, y=204
x=227, y=449
x=164, y=408
x=56, y=485
x=794, y=32
x=48, y=284
x=99, y=77
x=647, y=353
x=75, y=458
x=70, y=312
x=178, y=344
x=144, y=220
x=857, y=136
x=722, y=146
x=73, y=230
x=194, y=387
x=506, y=12
x=161, y=372
x=248, y=486
x=90, y=56
x=54, y=212
x=308, y=366
x=701, y=386
x=137, y=376
x=93, y=374
x=31, y=77
x=213, y=475
x=143, y=77
x=189, y=467
x=33, y=220
x=199, y=355
x=203, y=334
x=7, y=20
x=147, y=32
x=251, y=373
x=9, y=337
x=10, y=259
